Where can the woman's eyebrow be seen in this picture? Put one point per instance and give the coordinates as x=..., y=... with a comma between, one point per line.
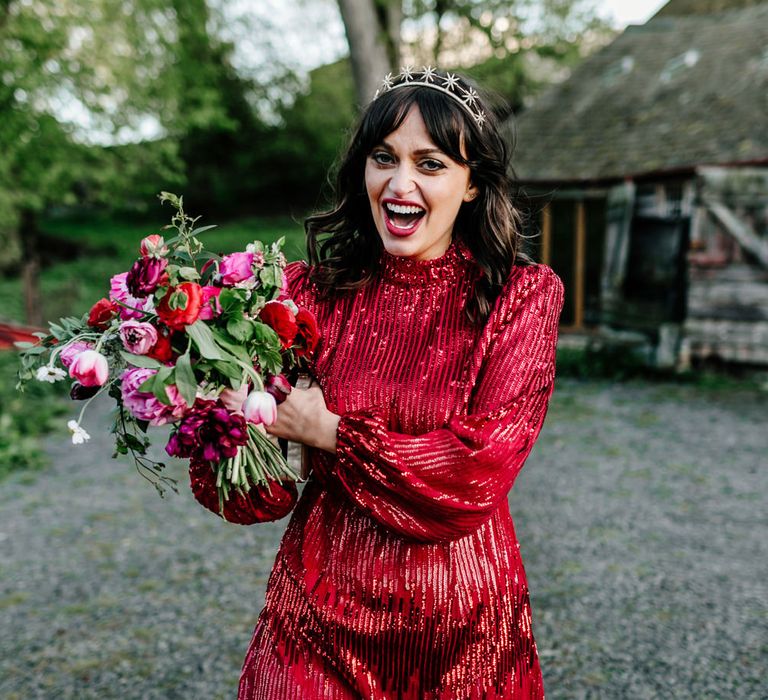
x=419, y=152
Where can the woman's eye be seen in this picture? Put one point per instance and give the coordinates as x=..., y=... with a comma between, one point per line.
x=382, y=157
x=432, y=164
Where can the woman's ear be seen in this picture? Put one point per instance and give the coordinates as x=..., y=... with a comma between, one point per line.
x=471, y=193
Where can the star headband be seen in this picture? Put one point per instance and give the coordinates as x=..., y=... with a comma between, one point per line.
x=448, y=83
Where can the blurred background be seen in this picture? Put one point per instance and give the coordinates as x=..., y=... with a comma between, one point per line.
x=641, y=147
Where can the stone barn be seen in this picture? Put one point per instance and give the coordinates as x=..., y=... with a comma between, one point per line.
x=648, y=174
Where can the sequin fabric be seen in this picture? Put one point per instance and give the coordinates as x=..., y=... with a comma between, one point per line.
x=399, y=574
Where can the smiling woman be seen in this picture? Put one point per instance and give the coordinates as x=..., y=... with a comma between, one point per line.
x=399, y=575
x=415, y=191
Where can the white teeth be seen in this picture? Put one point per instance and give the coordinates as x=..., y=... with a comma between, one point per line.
x=401, y=209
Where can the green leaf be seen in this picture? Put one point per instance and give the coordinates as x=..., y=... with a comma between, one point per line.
x=165, y=375
x=202, y=229
x=162, y=379
x=271, y=360
x=266, y=336
x=228, y=369
x=270, y=274
x=148, y=386
x=185, y=379
x=231, y=348
x=204, y=341
x=140, y=360
x=170, y=197
x=240, y=328
x=189, y=273
x=231, y=301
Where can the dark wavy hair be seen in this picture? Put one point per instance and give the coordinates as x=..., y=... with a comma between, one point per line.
x=343, y=246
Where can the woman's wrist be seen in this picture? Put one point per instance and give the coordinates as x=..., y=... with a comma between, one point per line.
x=326, y=435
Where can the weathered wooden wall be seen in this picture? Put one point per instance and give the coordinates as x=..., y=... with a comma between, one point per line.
x=727, y=314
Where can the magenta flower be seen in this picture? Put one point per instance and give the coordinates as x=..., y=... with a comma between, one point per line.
x=260, y=407
x=146, y=275
x=210, y=305
x=278, y=386
x=119, y=292
x=146, y=406
x=72, y=350
x=209, y=432
x=138, y=337
x=90, y=368
x=236, y=267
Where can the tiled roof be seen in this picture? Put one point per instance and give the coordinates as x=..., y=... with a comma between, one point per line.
x=671, y=94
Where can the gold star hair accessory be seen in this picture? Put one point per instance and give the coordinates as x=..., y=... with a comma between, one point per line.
x=448, y=84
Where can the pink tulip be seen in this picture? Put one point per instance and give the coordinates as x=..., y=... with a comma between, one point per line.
x=90, y=368
x=260, y=407
x=71, y=351
x=153, y=246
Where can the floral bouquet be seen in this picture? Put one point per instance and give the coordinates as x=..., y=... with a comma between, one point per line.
x=192, y=339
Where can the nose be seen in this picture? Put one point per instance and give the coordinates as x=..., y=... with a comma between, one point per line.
x=402, y=181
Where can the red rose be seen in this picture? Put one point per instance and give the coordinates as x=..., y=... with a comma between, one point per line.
x=281, y=319
x=101, y=313
x=161, y=350
x=308, y=335
x=181, y=305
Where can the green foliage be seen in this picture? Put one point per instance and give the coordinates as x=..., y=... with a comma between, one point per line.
x=313, y=131
x=24, y=417
x=608, y=362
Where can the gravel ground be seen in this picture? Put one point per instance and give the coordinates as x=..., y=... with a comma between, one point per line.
x=641, y=515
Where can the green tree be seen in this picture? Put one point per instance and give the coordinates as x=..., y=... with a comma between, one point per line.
x=446, y=33
x=58, y=62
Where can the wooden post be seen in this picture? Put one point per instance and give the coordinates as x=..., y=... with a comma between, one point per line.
x=580, y=264
x=546, y=234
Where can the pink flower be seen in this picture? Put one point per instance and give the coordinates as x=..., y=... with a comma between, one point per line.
x=146, y=406
x=138, y=337
x=236, y=267
x=90, y=368
x=210, y=303
x=153, y=246
x=119, y=292
x=260, y=407
x=72, y=350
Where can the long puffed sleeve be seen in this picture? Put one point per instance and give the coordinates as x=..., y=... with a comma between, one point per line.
x=443, y=484
x=259, y=505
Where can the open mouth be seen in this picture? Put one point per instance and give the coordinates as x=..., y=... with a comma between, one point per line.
x=402, y=217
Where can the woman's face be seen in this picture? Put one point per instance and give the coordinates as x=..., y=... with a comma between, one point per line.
x=415, y=191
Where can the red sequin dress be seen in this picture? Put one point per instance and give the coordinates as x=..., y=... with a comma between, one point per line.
x=399, y=574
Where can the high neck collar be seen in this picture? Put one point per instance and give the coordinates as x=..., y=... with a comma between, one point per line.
x=397, y=268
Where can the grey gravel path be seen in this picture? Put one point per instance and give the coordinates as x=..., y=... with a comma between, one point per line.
x=641, y=514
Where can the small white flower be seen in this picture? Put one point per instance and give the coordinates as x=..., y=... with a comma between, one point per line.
x=79, y=436
x=250, y=283
x=49, y=373
x=250, y=248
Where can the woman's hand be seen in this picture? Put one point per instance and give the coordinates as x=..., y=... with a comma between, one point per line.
x=303, y=417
